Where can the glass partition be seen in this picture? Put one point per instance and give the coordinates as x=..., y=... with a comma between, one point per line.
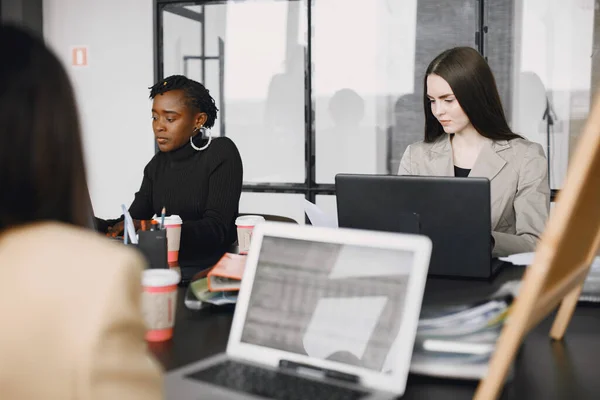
x=309, y=89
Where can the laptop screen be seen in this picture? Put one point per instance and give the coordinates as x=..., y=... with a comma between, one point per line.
x=329, y=301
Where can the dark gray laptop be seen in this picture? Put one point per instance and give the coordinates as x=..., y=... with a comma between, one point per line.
x=453, y=212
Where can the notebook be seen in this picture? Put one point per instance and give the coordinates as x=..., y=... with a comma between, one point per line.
x=227, y=274
x=321, y=313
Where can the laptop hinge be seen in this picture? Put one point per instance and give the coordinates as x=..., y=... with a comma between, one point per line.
x=313, y=371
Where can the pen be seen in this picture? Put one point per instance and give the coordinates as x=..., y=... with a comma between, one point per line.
x=162, y=218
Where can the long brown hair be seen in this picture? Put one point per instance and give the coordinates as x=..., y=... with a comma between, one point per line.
x=42, y=174
x=474, y=87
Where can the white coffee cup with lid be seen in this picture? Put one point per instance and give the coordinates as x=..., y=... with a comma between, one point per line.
x=173, y=227
x=245, y=225
x=159, y=300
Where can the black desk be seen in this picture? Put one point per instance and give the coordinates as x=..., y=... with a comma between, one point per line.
x=544, y=369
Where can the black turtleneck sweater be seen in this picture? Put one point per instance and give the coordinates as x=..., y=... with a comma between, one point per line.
x=203, y=188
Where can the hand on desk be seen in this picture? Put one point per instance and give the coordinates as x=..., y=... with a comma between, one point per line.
x=117, y=229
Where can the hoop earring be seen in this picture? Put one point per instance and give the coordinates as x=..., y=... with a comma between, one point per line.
x=202, y=131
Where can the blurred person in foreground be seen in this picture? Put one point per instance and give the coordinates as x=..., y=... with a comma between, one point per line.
x=72, y=322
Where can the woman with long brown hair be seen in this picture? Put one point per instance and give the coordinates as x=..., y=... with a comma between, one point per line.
x=466, y=134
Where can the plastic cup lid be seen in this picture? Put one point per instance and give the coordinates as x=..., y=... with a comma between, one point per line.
x=159, y=277
x=249, y=220
x=170, y=219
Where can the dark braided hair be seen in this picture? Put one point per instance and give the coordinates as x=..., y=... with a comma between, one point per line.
x=197, y=96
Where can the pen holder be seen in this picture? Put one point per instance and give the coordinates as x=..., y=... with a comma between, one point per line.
x=153, y=244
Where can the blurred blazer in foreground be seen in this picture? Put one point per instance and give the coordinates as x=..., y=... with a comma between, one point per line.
x=72, y=325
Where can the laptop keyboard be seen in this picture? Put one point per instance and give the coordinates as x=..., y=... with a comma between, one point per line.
x=272, y=384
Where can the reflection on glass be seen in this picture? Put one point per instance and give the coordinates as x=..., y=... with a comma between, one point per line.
x=360, y=68
x=264, y=75
x=435, y=32
x=368, y=62
x=552, y=75
x=260, y=73
x=183, y=41
x=181, y=37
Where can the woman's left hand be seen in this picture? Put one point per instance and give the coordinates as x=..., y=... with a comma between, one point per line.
x=118, y=228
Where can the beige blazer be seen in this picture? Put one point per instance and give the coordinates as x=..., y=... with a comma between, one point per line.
x=71, y=318
x=518, y=174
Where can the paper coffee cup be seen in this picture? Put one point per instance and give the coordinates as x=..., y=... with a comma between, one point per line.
x=159, y=302
x=245, y=226
x=173, y=227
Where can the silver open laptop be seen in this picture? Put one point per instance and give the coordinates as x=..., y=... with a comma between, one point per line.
x=321, y=313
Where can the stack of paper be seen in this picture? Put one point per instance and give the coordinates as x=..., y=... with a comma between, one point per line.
x=318, y=217
x=458, y=341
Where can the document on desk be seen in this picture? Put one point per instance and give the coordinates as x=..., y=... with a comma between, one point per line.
x=318, y=217
x=591, y=287
x=519, y=259
x=527, y=259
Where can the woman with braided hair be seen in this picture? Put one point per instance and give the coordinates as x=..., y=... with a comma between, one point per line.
x=197, y=178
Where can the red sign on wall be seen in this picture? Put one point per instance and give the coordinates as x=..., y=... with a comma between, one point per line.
x=79, y=56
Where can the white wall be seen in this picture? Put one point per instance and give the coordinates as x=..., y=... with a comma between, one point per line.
x=112, y=92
